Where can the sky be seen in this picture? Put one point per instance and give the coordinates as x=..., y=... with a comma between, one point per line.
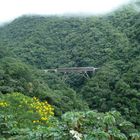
x=11, y=9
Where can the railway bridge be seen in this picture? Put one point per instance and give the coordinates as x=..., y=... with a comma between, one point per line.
x=66, y=70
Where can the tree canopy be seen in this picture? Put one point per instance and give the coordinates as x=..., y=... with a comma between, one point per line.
x=30, y=44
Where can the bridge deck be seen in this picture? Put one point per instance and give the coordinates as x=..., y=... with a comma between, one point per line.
x=73, y=69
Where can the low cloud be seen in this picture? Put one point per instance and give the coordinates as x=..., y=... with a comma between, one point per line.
x=14, y=8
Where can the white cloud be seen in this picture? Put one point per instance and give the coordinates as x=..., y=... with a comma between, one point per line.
x=10, y=9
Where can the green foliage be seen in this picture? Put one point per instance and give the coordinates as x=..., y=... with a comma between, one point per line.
x=16, y=76
x=21, y=112
x=30, y=44
x=21, y=118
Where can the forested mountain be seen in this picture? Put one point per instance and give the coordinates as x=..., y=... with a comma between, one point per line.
x=30, y=44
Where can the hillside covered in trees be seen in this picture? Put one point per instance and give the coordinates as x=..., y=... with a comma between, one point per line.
x=38, y=105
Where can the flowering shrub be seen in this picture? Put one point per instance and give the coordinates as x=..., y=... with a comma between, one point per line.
x=42, y=108
x=25, y=110
x=3, y=104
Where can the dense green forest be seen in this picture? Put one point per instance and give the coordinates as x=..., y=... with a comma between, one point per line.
x=35, y=105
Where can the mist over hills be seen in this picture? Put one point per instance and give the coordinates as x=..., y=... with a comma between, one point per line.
x=30, y=44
